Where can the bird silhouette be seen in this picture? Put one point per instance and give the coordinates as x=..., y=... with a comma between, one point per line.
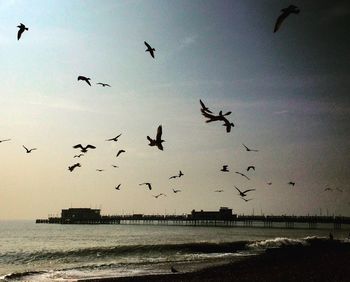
x=204, y=108
x=84, y=149
x=115, y=166
x=269, y=183
x=114, y=139
x=220, y=117
x=120, y=151
x=251, y=167
x=291, y=183
x=242, y=174
x=285, y=13
x=99, y=170
x=180, y=173
x=78, y=156
x=219, y=191
x=22, y=28
x=174, y=176
x=249, y=150
x=150, y=49
x=224, y=168
x=29, y=150
x=157, y=196
x=71, y=168
x=5, y=140
x=147, y=184
x=246, y=200
x=103, y=84
x=243, y=193
x=158, y=141
x=86, y=79
x=176, y=191
x=117, y=187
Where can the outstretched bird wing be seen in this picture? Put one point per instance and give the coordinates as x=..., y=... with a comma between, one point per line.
x=238, y=190
x=159, y=134
x=280, y=19
x=147, y=45
x=120, y=151
x=90, y=146
x=204, y=108
x=78, y=146
x=246, y=191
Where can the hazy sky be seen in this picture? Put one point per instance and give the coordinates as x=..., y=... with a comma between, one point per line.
x=288, y=93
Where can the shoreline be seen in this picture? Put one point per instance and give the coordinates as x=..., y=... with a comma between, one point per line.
x=326, y=262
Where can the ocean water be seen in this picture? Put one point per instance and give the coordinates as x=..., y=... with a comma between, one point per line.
x=53, y=252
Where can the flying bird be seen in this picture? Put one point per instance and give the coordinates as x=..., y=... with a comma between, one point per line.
x=242, y=174
x=78, y=156
x=285, y=13
x=29, y=150
x=249, y=150
x=220, y=117
x=243, y=193
x=5, y=140
x=84, y=149
x=103, y=84
x=148, y=184
x=219, y=191
x=158, y=141
x=251, y=167
x=115, y=166
x=118, y=187
x=71, y=168
x=269, y=183
x=224, y=168
x=176, y=191
x=86, y=79
x=114, y=139
x=157, y=196
x=22, y=28
x=180, y=173
x=291, y=183
x=99, y=170
x=246, y=200
x=150, y=49
x=204, y=108
x=174, y=176
x=120, y=151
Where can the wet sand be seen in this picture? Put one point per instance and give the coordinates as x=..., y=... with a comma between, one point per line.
x=319, y=263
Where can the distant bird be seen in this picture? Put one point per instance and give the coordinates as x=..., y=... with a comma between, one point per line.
x=228, y=125
x=99, y=170
x=291, y=183
x=328, y=189
x=176, y=191
x=117, y=187
x=86, y=79
x=150, y=49
x=204, y=108
x=120, y=151
x=115, y=166
x=158, y=141
x=251, y=167
x=29, y=150
x=224, y=168
x=219, y=191
x=249, y=150
x=78, y=156
x=103, y=84
x=148, y=185
x=269, y=183
x=246, y=200
x=157, y=196
x=243, y=193
x=115, y=138
x=5, y=140
x=285, y=13
x=84, y=149
x=242, y=174
x=180, y=173
x=220, y=117
x=71, y=168
x=173, y=270
x=174, y=176
x=22, y=28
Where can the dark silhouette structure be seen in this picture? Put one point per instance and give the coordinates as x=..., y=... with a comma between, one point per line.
x=119, y=152
x=22, y=28
x=250, y=150
x=103, y=84
x=71, y=168
x=5, y=140
x=291, y=9
x=86, y=79
x=204, y=108
x=29, y=150
x=242, y=174
x=147, y=184
x=250, y=167
x=115, y=138
x=84, y=149
x=224, y=168
x=118, y=187
x=243, y=193
x=150, y=49
x=158, y=141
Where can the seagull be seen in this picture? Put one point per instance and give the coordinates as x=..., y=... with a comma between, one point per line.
x=249, y=150
x=244, y=193
x=114, y=139
x=150, y=49
x=176, y=191
x=246, y=200
x=84, y=149
x=103, y=84
x=78, y=156
x=148, y=184
x=115, y=166
x=5, y=140
x=173, y=269
x=224, y=168
x=29, y=150
x=240, y=173
x=99, y=170
x=251, y=167
x=157, y=196
x=180, y=173
x=22, y=28
x=285, y=13
x=291, y=183
x=120, y=151
x=204, y=108
x=219, y=191
x=172, y=177
x=117, y=187
x=71, y=168
x=86, y=79
x=158, y=141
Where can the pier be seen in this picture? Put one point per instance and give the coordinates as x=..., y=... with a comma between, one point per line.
x=222, y=218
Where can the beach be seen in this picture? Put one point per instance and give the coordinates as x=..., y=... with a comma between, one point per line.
x=319, y=262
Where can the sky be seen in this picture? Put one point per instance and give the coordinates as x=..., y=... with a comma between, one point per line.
x=287, y=91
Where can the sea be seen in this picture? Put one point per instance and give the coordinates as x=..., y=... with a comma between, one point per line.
x=54, y=252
